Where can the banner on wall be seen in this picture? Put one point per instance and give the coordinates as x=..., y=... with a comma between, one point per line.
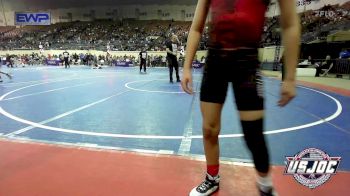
x=52, y=62
x=32, y=18
x=123, y=63
x=197, y=64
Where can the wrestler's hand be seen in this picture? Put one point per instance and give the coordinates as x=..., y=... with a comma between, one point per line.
x=288, y=92
x=186, y=81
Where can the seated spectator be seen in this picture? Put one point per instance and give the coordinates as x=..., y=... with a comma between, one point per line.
x=310, y=61
x=324, y=66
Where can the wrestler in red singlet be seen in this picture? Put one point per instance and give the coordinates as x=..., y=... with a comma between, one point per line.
x=236, y=23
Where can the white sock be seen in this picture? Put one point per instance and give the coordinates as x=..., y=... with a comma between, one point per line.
x=265, y=183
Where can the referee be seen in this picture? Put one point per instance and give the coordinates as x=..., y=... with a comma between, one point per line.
x=66, y=59
x=171, y=49
x=143, y=59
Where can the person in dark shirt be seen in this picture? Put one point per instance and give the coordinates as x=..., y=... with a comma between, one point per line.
x=143, y=60
x=324, y=65
x=9, y=61
x=66, y=59
x=310, y=61
x=4, y=73
x=171, y=49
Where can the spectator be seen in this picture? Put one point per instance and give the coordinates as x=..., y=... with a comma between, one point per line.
x=328, y=63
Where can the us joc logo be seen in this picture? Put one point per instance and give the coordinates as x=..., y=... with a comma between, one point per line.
x=312, y=167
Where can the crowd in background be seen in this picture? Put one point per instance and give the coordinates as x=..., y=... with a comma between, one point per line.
x=81, y=59
x=136, y=35
x=316, y=24
x=128, y=35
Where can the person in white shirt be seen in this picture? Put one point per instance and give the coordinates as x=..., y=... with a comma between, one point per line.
x=164, y=61
x=41, y=48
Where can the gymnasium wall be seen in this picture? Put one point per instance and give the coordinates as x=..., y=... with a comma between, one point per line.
x=139, y=12
x=267, y=54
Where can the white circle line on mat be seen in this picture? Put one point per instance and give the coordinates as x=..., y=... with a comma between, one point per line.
x=127, y=85
x=113, y=135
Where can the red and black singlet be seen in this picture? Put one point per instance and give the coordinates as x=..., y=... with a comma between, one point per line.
x=236, y=23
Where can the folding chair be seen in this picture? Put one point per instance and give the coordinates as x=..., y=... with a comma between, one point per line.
x=325, y=71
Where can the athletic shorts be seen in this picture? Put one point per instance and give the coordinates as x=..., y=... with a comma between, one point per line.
x=241, y=68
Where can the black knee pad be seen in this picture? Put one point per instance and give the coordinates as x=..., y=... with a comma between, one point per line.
x=254, y=138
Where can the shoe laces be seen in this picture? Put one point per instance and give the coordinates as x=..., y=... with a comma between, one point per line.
x=204, y=185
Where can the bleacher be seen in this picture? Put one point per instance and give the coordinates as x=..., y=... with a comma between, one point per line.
x=133, y=34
